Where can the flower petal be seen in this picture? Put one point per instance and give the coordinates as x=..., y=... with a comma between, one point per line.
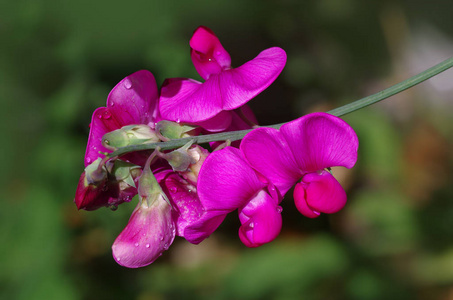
x=187, y=100
x=102, y=121
x=134, y=99
x=208, y=55
x=226, y=182
x=150, y=231
x=320, y=140
x=239, y=85
x=261, y=220
x=183, y=197
x=197, y=231
x=319, y=192
x=267, y=152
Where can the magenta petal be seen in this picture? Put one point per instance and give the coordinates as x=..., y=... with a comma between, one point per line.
x=150, y=232
x=319, y=193
x=219, y=122
x=134, y=99
x=261, y=220
x=226, y=182
x=267, y=152
x=187, y=100
x=197, y=231
x=208, y=55
x=183, y=197
x=102, y=121
x=239, y=85
x=320, y=140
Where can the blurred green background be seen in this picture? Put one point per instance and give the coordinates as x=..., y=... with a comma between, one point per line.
x=394, y=238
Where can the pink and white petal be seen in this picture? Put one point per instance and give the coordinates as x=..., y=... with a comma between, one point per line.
x=102, y=121
x=134, y=99
x=267, y=152
x=209, y=221
x=321, y=140
x=208, y=55
x=150, y=232
x=226, y=182
x=239, y=85
x=261, y=220
x=319, y=193
x=189, y=101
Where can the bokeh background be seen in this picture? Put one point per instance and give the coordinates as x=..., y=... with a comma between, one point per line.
x=394, y=238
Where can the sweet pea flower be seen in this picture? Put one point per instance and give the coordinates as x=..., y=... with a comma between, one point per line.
x=209, y=104
x=301, y=151
x=132, y=101
x=226, y=183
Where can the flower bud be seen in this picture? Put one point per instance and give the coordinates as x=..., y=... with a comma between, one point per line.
x=91, y=187
x=129, y=135
x=198, y=156
x=173, y=130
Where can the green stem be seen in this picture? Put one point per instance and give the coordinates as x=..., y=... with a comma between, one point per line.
x=340, y=111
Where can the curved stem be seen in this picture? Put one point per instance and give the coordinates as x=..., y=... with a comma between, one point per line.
x=340, y=111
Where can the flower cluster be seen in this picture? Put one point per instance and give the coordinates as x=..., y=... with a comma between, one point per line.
x=187, y=192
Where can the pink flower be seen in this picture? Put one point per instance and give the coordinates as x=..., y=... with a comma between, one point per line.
x=301, y=151
x=132, y=101
x=227, y=183
x=225, y=88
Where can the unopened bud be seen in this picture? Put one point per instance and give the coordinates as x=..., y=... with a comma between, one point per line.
x=129, y=135
x=173, y=130
x=198, y=156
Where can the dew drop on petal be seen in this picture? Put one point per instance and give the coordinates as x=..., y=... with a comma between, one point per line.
x=279, y=209
x=88, y=160
x=136, y=244
x=127, y=83
x=147, y=245
x=251, y=225
x=107, y=114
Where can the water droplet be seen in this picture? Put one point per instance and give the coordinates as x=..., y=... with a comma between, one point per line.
x=147, y=245
x=178, y=121
x=112, y=103
x=127, y=83
x=251, y=225
x=107, y=115
x=118, y=259
x=173, y=189
x=279, y=209
x=106, y=141
x=136, y=244
x=113, y=207
x=88, y=160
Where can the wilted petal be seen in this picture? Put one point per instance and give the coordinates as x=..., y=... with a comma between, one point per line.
x=150, y=231
x=267, y=152
x=320, y=140
x=319, y=193
x=208, y=55
x=261, y=220
x=226, y=182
